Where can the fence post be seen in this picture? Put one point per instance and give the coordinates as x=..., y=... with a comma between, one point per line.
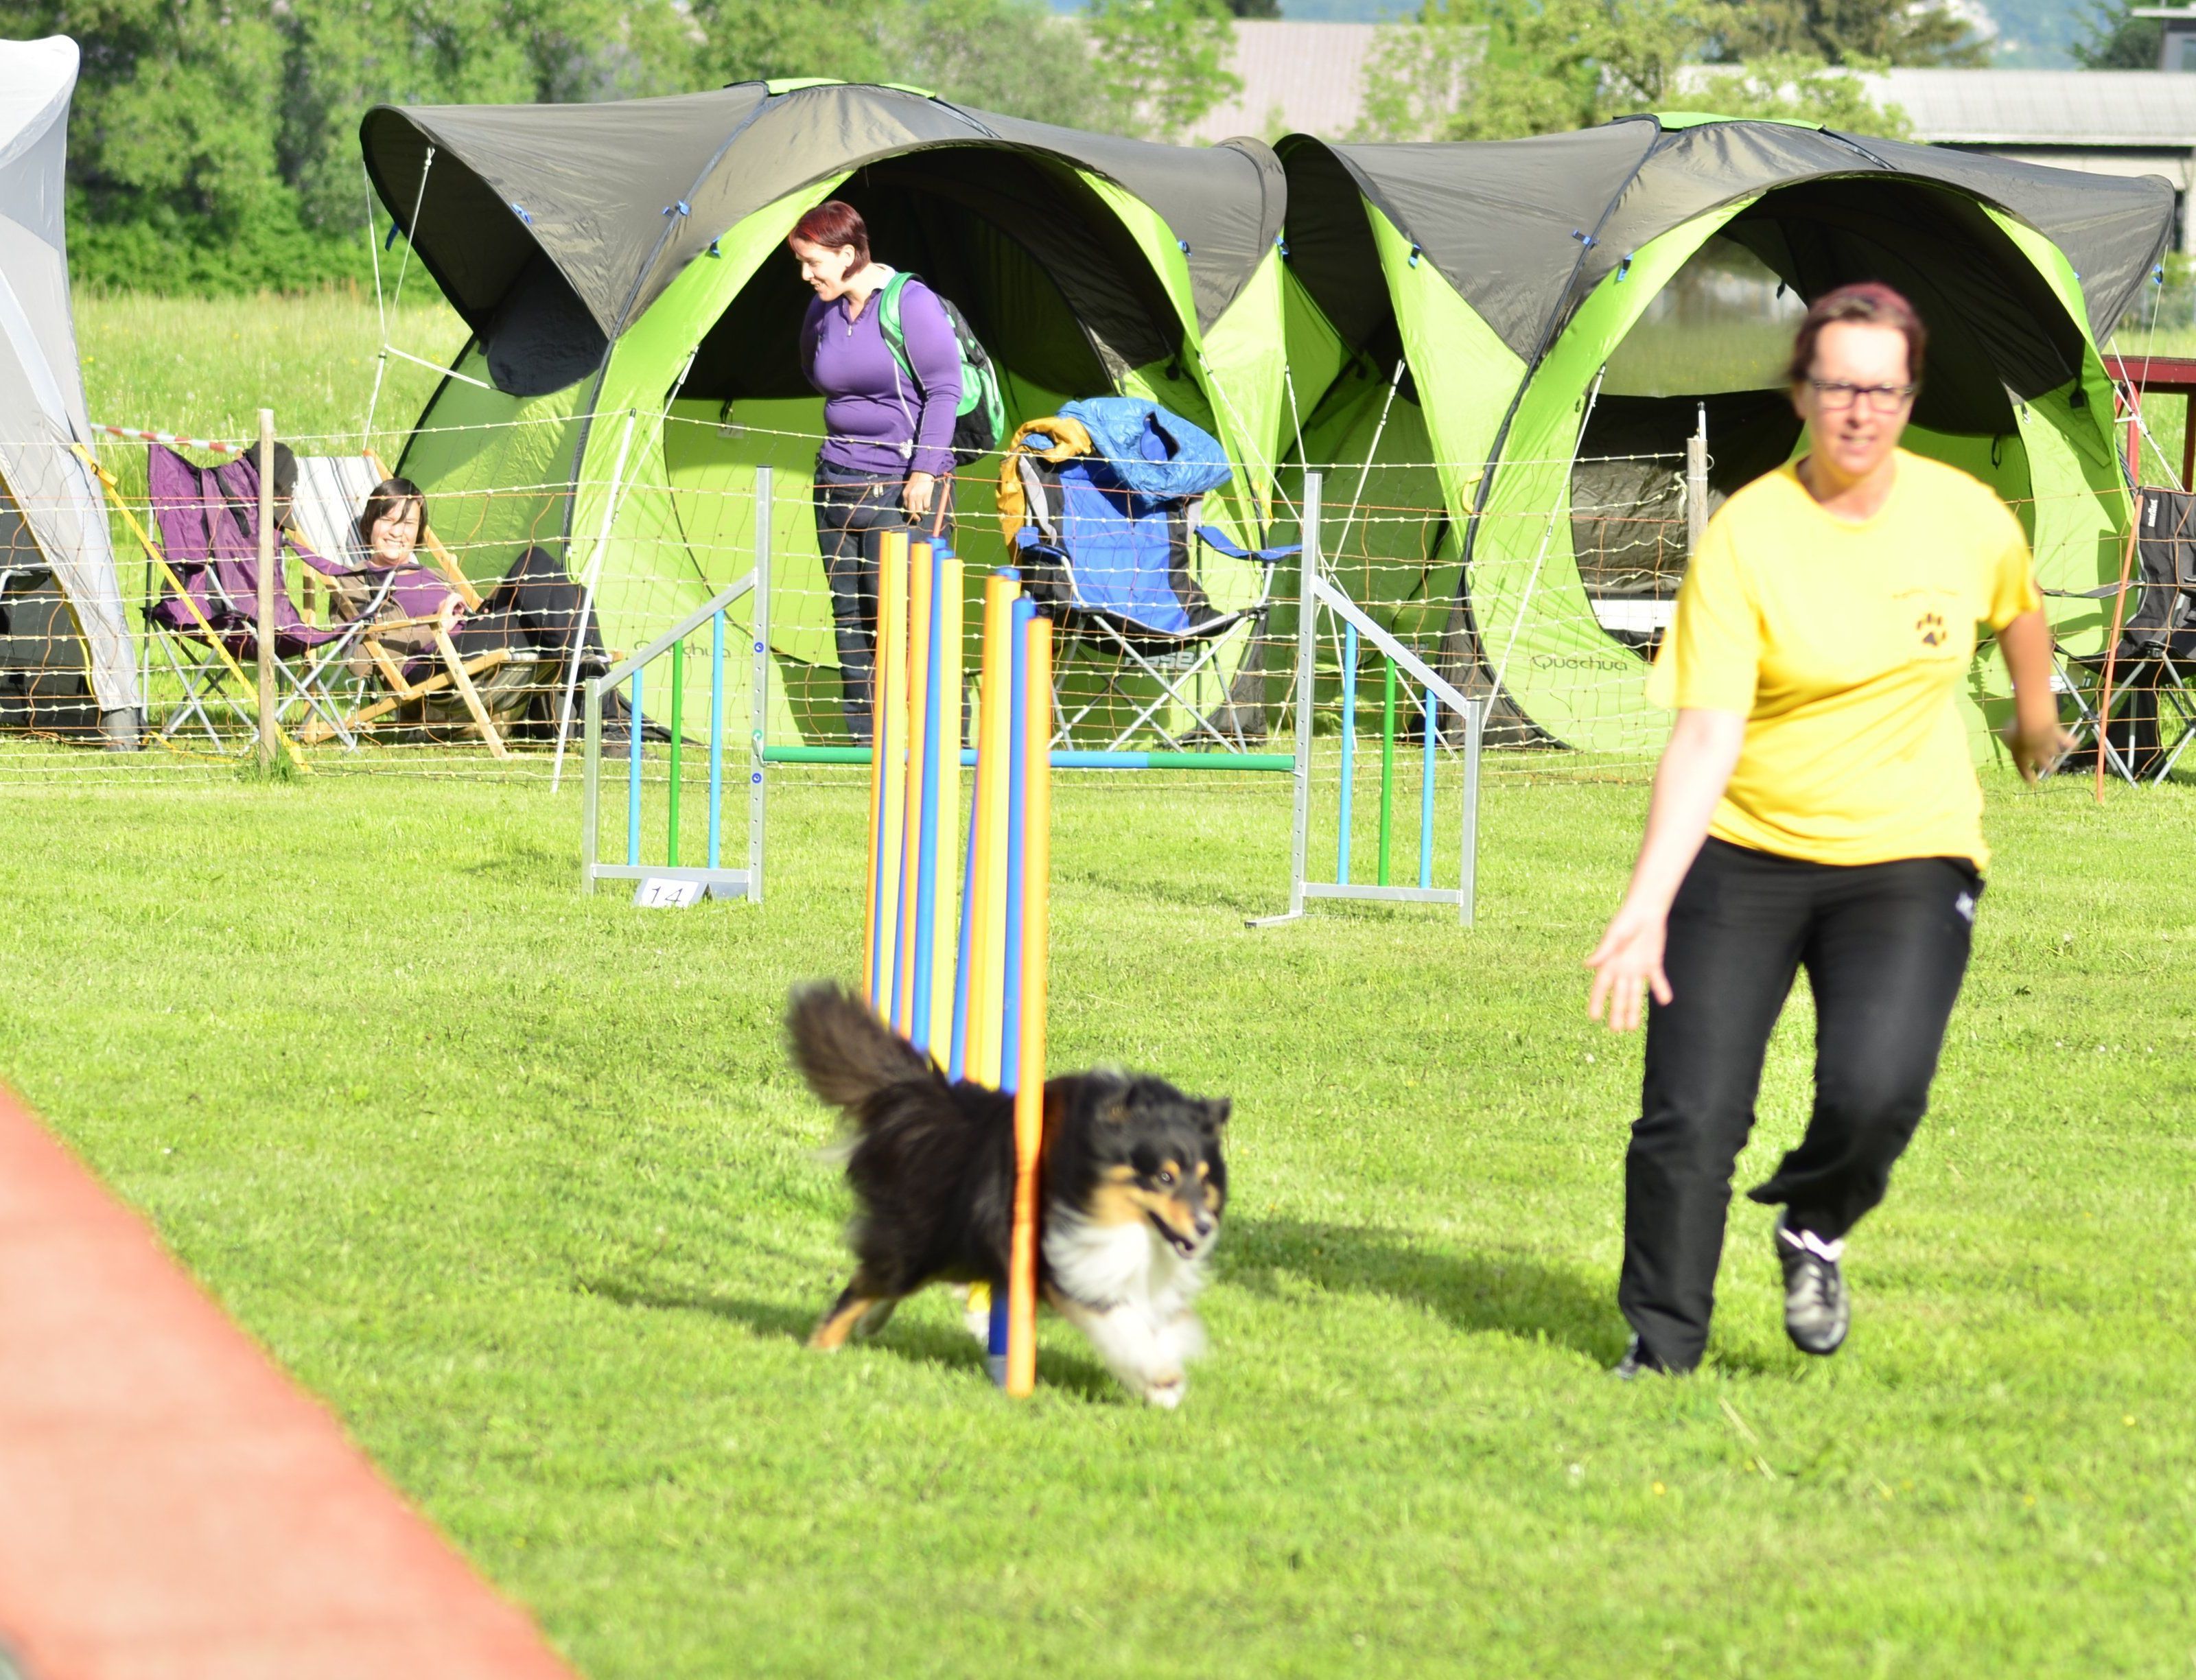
x=1306, y=672
x=1475, y=731
x=1696, y=483
x=264, y=637
x=591, y=794
x=760, y=620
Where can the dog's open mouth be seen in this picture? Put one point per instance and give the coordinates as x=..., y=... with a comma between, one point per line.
x=1184, y=1246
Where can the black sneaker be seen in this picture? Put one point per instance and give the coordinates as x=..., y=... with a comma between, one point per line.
x=1817, y=1311
x=1639, y=1362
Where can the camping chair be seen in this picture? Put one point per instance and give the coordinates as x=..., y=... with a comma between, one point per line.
x=392, y=681
x=205, y=615
x=1110, y=539
x=2153, y=661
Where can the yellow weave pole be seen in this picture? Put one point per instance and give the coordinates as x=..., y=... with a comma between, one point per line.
x=910, y=862
x=945, y=607
x=1035, y=931
x=888, y=738
x=987, y=949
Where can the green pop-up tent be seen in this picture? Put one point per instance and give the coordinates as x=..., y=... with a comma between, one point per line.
x=1507, y=344
x=635, y=320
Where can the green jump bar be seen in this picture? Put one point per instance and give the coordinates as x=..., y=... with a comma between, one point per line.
x=1063, y=759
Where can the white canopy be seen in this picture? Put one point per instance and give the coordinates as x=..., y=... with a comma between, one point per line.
x=42, y=411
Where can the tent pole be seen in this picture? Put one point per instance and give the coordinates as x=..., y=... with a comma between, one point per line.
x=404, y=263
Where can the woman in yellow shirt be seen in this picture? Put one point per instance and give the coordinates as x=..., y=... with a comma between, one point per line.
x=1815, y=809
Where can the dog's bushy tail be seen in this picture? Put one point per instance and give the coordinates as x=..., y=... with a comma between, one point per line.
x=846, y=1055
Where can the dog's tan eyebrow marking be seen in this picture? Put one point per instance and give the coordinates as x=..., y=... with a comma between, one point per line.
x=1171, y=1165
x=1205, y=1170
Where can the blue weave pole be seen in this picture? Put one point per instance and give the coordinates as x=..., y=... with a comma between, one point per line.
x=716, y=736
x=956, y=1058
x=1426, y=793
x=1348, y=748
x=632, y=774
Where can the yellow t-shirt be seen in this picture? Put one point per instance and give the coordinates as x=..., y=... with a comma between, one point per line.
x=1843, y=645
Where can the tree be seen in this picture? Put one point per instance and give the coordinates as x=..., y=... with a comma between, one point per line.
x=1845, y=32
x=1015, y=56
x=213, y=145
x=1462, y=72
x=1164, y=63
x=2119, y=40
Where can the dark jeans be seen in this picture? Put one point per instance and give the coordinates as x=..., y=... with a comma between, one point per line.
x=851, y=510
x=1885, y=946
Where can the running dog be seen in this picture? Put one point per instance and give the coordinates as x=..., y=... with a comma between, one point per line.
x=1133, y=1186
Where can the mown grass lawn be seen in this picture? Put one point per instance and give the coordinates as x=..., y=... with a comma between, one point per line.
x=519, y=1182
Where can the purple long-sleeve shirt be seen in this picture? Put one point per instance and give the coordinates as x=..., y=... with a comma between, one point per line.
x=876, y=420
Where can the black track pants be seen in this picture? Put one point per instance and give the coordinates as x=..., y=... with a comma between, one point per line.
x=1885, y=946
x=852, y=511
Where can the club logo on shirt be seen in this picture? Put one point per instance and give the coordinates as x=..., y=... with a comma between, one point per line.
x=1930, y=627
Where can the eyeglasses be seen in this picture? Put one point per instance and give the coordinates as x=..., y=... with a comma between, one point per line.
x=1834, y=395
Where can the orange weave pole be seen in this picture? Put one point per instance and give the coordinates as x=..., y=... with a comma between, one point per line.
x=2112, y=647
x=1029, y=1094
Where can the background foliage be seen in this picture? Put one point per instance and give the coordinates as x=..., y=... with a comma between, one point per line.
x=1498, y=69
x=213, y=147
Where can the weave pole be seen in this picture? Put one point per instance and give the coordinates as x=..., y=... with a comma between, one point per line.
x=1036, y=948
x=913, y=878
x=943, y=750
x=987, y=905
x=887, y=728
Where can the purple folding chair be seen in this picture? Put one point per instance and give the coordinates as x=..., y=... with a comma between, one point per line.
x=207, y=518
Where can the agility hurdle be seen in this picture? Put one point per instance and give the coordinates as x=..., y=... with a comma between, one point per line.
x=683, y=882
x=1316, y=593
x=974, y=1002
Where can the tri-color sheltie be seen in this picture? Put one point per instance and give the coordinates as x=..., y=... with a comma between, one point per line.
x=1132, y=1186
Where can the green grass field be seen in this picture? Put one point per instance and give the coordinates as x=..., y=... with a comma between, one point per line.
x=519, y=1182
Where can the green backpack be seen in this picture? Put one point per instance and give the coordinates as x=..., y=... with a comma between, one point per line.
x=980, y=422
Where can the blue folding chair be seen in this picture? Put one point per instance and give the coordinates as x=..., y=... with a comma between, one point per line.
x=1115, y=544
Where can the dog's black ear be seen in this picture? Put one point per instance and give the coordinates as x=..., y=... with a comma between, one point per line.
x=1216, y=1111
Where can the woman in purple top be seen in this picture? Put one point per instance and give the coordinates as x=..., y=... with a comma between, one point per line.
x=886, y=461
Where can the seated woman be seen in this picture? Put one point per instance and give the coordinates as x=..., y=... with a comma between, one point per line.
x=534, y=606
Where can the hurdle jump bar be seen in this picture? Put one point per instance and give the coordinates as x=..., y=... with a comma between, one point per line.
x=721, y=882
x=1315, y=592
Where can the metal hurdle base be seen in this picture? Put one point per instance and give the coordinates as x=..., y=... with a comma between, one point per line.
x=745, y=883
x=1318, y=592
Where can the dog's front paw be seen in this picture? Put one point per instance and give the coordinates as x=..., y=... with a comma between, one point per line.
x=1166, y=1391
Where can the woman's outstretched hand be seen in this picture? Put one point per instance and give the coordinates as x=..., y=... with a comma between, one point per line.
x=922, y=486
x=1627, y=964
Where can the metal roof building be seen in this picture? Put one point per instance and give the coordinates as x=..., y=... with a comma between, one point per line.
x=2104, y=122
x=1305, y=78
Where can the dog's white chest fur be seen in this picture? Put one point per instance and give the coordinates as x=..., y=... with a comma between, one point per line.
x=1130, y=1291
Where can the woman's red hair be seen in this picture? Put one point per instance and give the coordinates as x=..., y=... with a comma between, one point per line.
x=835, y=225
x=1870, y=302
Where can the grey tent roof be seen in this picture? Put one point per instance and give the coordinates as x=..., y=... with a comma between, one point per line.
x=1508, y=222
x=621, y=197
